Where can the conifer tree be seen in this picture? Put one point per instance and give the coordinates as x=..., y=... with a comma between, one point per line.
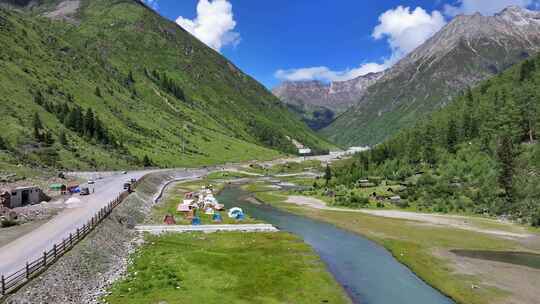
x=89, y=123
x=506, y=156
x=452, y=136
x=327, y=174
x=38, y=126
x=62, y=138
x=147, y=162
x=98, y=92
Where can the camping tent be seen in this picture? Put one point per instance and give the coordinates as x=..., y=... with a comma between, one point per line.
x=169, y=220
x=236, y=213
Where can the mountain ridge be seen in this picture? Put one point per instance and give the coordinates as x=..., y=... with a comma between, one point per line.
x=317, y=102
x=467, y=50
x=157, y=91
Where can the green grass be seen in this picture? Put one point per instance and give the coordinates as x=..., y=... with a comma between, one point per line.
x=287, y=168
x=220, y=117
x=226, y=268
x=227, y=175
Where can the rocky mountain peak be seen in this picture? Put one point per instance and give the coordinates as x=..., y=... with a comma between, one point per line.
x=469, y=49
x=336, y=96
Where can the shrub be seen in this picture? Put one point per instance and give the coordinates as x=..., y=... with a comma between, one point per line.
x=8, y=223
x=535, y=220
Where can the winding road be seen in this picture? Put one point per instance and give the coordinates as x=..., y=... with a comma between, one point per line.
x=31, y=246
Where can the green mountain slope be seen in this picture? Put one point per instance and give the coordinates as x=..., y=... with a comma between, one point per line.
x=466, y=51
x=478, y=155
x=150, y=87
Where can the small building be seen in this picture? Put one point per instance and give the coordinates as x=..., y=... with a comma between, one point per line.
x=304, y=151
x=395, y=199
x=367, y=185
x=22, y=196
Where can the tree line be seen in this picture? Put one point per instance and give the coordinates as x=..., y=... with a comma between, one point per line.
x=478, y=154
x=82, y=121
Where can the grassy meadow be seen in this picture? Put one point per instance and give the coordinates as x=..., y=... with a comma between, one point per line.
x=226, y=268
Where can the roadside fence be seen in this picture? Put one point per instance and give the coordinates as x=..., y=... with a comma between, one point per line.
x=12, y=282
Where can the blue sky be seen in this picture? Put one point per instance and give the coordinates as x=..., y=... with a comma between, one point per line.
x=328, y=40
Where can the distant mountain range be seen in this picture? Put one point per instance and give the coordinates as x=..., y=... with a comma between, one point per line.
x=318, y=103
x=112, y=84
x=467, y=50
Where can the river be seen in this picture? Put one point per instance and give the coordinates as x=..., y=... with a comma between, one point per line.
x=367, y=271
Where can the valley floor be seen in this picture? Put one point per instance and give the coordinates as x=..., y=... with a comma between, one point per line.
x=424, y=242
x=223, y=267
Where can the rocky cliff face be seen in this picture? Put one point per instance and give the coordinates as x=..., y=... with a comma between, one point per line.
x=318, y=103
x=336, y=96
x=467, y=50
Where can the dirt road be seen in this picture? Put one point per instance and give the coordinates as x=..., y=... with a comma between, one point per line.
x=461, y=222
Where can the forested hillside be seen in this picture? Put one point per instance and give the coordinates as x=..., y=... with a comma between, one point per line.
x=479, y=155
x=111, y=84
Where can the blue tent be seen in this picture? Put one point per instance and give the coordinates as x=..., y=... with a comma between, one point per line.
x=217, y=218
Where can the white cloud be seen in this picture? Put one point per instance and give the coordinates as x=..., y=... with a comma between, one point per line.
x=213, y=25
x=325, y=74
x=403, y=29
x=485, y=7
x=406, y=29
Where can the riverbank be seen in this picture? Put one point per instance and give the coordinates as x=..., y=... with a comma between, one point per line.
x=223, y=267
x=426, y=249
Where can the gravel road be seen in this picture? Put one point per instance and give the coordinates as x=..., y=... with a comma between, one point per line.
x=14, y=255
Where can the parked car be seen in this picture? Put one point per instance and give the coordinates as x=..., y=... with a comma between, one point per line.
x=127, y=186
x=91, y=182
x=85, y=191
x=124, y=172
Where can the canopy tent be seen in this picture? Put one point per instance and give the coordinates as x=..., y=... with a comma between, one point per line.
x=183, y=208
x=188, y=202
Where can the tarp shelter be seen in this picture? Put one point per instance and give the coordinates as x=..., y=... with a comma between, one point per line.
x=169, y=220
x=73, y=188
x=58, y=187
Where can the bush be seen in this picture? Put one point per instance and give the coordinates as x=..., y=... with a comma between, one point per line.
x=535, y=220
x=8, y=223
